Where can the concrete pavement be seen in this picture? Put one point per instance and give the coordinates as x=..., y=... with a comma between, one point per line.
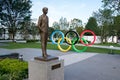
x=79, y=66
x=108, y=47
x=98, y=67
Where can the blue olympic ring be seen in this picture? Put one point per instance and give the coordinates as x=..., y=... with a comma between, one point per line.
x=52, y=39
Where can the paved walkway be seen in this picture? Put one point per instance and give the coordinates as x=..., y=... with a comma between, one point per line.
x=79, y=66
x=98, y=67
x=108, y=47
x=30, y=53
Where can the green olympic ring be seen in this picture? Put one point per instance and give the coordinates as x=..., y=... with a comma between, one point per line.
x=75, y=49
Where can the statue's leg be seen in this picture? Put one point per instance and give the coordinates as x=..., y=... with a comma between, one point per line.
x=44, y=37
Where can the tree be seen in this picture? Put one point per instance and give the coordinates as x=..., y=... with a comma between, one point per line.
x=92, y=25
x=28, y=28
x=113, y=5
x=33, y=30
x=13, y=12
x=51, y=29
x=56, y=26
x=79, y=30
x=105, y=20
x=117, y=25
x=1, y=31
x=75, y=23
x=24, y=28
x=63, y=24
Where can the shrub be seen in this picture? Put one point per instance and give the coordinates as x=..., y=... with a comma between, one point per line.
x=14, y=69
x=4, y=77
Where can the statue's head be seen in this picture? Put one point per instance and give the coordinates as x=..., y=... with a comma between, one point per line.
x=45, y=10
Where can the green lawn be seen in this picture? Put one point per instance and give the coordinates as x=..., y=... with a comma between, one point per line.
x=54, y=47
x=109, y=44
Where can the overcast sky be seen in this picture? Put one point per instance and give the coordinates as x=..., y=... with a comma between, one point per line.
x=81, y=9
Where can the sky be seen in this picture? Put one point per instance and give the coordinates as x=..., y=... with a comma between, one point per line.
x=81, y=9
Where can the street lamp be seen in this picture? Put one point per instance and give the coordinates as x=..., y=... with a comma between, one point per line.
x=111, y=49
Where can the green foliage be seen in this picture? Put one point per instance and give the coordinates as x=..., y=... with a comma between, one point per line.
x=50, y=30
x=5, y=77
x=13, y=69
x=63, y=24
x=108, y=17
x=105, y=19
x=79, y=30
x=56, y=26
x=117, y=25
x=75, y=23
x=92, y=25
x=113, y=5
x=33, y=30
x=13, y=12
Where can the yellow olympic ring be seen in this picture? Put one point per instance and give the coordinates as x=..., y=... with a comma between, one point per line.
x=59, y=47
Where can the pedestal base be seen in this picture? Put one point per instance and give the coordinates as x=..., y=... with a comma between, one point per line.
x=46, y=70
x=49, y=58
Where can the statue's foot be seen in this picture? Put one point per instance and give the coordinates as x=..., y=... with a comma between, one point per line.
x=45, y=55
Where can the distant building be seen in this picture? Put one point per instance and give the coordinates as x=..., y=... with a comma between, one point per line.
x=5, y=35
x=3, y=32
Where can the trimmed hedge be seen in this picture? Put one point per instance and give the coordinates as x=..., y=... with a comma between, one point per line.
x=13, y=69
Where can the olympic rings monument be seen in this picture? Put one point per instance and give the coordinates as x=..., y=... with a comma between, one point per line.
x=72, y=38
x=45, y=67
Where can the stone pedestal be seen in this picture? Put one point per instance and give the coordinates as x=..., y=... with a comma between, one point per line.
x=46, y=70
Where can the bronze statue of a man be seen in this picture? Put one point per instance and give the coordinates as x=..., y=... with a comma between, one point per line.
x=43, y=24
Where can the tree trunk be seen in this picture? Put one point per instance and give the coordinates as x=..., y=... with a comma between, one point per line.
x=10, y=36
x=106, y=40
x=13, y=40
x=112, y=39
x=101, y=39
x=117, y=39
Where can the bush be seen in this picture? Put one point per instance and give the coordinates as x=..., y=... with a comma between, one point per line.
x=5, y=77
x=13, y=69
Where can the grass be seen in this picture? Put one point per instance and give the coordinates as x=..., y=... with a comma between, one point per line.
x=12, y=45
x=54, y=47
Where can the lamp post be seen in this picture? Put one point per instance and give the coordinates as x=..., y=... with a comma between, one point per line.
x=111, y=49
x=4, y=32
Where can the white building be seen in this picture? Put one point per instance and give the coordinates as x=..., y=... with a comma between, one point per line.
x=3, y=32
x=4, y=35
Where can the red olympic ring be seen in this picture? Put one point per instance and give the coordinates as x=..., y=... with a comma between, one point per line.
x=81, y=35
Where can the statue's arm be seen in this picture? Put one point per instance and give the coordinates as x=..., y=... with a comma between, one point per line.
x=39, y=22
x=48, y=21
